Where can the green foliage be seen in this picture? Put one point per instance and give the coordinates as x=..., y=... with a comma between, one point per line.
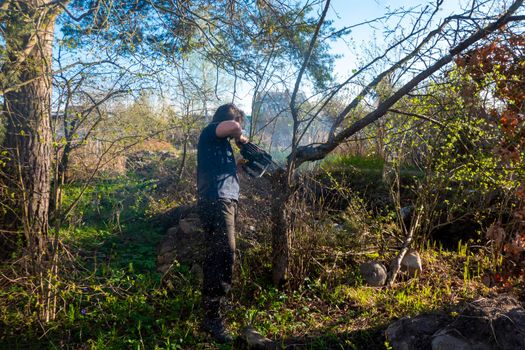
x=342, y=161
x=103, y=201
x=237, y=36
x=261, y=34
x=118, y=301
x=338, y=311
x=124, y=25
x=451, y=142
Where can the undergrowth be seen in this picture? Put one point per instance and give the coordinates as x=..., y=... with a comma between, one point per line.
x=112, y=297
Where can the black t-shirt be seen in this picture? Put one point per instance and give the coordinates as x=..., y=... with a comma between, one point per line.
x=216, y=169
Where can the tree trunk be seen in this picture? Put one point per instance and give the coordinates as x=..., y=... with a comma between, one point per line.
x=28, y=131
x=59, y=181
x=183, y=160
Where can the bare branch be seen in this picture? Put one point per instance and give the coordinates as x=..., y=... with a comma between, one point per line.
x=310, y=153
x=420, y=116
x=308, y=55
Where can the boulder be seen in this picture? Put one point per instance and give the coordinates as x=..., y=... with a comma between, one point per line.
x=413, y=333
x=447, y=342
x=488, y=323
x=172, y=217
x=374, y=273
x=183, y=244
x=190, y=224
x=411, y=263
x=493, y=322
x=457, y=342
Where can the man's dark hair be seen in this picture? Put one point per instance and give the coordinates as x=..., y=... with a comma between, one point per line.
x=228, y=111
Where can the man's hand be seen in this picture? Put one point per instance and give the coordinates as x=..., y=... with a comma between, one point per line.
x=242, y=139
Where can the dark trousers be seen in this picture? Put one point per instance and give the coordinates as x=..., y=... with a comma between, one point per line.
x=218, y=219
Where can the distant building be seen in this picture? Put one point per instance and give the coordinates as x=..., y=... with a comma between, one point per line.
x=272, y=121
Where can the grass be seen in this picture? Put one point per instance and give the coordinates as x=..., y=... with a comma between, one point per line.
x=339, y=161
x=370, y=167
x=346, y=312
x=113, y=297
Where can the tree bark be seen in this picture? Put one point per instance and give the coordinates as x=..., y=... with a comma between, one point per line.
x=28, y=139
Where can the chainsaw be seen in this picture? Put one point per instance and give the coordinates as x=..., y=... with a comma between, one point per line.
x=258, y=162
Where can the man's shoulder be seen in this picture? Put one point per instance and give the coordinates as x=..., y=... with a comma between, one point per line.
x=208, y=131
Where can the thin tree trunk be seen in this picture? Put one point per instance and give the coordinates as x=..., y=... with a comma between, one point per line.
x=59, y=180
x=183, y=160
x=284, y=182
x=396, y=263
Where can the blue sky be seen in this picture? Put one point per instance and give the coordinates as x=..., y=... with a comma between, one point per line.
x=345, y=13
x=350, y=12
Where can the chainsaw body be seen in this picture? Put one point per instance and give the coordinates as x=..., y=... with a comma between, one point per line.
x=258, y=161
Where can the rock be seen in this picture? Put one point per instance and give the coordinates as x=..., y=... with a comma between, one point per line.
x=374, y=273
x=495, y=322
x=172, y=217
x=183, y=243
x=406, y=212
x=447, y=342
x=189, y=224
x=164, y=262
x=488, y=280
x=254, y=340
x=488, y=323
x=414, y=333
x=411, y=263
x=168, y=243
x=198, y=273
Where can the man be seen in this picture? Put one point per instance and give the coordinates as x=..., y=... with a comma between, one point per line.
x=218, y=192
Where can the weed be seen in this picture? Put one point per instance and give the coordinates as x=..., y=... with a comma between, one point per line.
x=115, y=298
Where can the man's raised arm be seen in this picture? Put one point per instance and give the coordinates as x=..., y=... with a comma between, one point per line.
x=230, y=128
